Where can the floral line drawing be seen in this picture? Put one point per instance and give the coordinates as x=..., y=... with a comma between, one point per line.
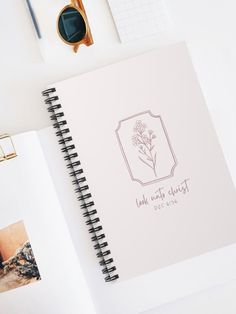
x=146, y=148
x=143, y=140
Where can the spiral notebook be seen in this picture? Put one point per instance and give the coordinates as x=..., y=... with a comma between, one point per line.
x=145, y=162
x=141, y=158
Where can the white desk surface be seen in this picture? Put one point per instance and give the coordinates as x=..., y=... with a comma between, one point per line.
x=208, y=27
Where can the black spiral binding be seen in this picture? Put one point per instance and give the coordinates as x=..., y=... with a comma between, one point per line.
x=81, y=187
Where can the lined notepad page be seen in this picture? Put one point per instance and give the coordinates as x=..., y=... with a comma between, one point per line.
x=136, y=19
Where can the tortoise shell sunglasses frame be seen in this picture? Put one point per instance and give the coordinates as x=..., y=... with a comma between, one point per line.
x=77, y=16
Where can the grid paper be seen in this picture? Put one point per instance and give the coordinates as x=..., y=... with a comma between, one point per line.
x=136, y=19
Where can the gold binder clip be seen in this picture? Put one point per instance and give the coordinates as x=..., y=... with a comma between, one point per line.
x=7, y=148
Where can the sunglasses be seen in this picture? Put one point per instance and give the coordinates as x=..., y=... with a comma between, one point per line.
x=73, y=27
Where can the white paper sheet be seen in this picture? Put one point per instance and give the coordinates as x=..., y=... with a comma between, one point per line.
x=136, y=19
x=19, y=41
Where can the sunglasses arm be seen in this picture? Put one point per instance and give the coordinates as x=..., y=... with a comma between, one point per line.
x=78, y=4
x=76, y=48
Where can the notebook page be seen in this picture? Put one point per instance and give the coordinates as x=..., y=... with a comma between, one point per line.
x=136, y=19
x=30, y=210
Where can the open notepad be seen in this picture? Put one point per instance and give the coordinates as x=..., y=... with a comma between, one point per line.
x=39, y=269
x=137, y=19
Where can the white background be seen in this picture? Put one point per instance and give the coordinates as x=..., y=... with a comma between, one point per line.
x=209, y=28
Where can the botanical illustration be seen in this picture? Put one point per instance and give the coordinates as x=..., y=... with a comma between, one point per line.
x=143, y=140
x=17, y=262
x=146, y=148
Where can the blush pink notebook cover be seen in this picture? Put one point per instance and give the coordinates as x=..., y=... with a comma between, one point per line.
x=152, y=160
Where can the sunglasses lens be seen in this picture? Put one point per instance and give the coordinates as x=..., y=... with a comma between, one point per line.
x=71, y=25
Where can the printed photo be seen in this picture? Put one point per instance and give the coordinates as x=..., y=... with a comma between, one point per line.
x=17, y=263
